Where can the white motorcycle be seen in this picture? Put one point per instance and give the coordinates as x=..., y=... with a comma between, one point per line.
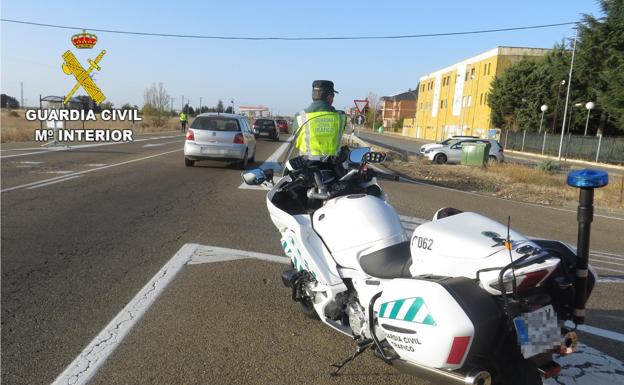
x=465, y=300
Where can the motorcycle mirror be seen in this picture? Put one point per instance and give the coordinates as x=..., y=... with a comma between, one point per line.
x=357, y=154
x=255, y=176
x=374, y=157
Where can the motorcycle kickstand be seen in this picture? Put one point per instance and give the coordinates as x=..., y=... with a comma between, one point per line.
x=361, y=347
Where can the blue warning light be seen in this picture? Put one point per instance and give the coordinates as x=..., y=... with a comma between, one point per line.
x=588, y=178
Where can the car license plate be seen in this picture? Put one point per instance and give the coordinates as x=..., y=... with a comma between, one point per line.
x=538, y=331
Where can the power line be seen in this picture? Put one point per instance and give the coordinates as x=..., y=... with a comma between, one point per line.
x=414, y=36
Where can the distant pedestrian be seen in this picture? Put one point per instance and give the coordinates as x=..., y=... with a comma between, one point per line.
x=183, y=121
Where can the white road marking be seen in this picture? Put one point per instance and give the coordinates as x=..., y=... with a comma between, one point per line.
x=158, y=144
x=610, y=254
x=271, y=162
x=95, y=164
x=29, y=162
x=598, y=332
x=53, y=182
x=53, y=172
x=82, y=369
x=81, y=146
x=588, y=366
x=592, y=363
x=87, y=171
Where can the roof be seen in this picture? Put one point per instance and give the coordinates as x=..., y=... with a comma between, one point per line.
x=409, y=95
x=501, y=50
x=223, y=114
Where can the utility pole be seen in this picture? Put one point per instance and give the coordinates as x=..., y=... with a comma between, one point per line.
x=22, y=94
x=563, y=127
x=182, y=109
x=200, y=100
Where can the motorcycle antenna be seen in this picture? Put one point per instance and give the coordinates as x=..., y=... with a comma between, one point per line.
x=508, y=246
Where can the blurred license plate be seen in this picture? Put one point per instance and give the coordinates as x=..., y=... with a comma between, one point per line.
x=538, y=331
x=212, y=150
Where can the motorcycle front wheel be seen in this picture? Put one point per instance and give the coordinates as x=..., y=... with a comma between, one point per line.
x=308, y=309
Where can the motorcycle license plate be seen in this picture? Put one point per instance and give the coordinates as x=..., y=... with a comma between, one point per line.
x=538, y=331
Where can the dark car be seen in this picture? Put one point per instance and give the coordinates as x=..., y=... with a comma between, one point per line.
x=267, y=128
x=282, y=125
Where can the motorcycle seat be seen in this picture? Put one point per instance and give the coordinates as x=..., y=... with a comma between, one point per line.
x=390, y=262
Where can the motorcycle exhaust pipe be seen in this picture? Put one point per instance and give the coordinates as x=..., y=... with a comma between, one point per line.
x=443, y=377
x=586, y=180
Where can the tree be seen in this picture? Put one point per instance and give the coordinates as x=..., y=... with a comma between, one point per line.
x=106, y=106
x=601, y=62
x=229, y=110
x=598, y=76
x=156, y=100
x=220, y=106
x=7, y=101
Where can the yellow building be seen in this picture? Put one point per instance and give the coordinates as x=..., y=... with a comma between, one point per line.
x=453, y=100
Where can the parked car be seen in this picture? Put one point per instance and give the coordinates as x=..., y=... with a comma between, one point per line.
x=443, y=143
x=266, y=127
x=452, y=151
x=282, y=125
x=224, y=137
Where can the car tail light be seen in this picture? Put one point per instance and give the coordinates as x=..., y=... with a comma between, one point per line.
x=238, y=139
x=458, y=350
x=190, y=135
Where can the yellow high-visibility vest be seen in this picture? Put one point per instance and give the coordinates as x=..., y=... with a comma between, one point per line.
x=320, y=133
x=182, y=117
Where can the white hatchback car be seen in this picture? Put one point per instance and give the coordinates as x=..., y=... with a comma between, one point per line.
x=223, y=137
x=452, y=151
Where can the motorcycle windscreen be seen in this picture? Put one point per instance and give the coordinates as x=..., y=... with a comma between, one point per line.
x=424, y=323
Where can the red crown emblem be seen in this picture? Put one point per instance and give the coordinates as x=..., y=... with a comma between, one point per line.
x=84, y=40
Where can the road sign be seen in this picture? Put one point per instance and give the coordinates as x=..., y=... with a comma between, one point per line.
x=359, y=120
x=360, y=105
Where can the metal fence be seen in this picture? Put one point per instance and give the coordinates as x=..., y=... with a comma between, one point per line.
x=592, y=148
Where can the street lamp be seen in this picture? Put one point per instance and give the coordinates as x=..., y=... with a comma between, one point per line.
x=544, y=108
x=590, y=106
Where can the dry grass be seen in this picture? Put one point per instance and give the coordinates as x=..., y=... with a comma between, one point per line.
x=510, y=181
x=15, y=128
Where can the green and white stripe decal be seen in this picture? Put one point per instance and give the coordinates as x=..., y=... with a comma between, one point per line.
x=409, y=309
x=293, y=252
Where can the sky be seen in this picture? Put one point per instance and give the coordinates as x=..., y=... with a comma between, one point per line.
x=277, y=74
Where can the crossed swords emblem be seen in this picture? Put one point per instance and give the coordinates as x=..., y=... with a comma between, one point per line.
x=72, y=66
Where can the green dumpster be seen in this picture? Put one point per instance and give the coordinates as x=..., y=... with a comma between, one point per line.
x=475, y=154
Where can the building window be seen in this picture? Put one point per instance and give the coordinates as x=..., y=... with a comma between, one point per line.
x=469, y=100
x=481, y=99
x=472, y=71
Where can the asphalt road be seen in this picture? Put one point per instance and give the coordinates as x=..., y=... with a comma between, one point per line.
x=83, y=230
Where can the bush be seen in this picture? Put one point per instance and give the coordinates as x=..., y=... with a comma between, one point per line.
x=548, y=166
x=14, y=113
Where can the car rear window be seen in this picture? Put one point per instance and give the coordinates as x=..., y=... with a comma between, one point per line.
x=264, y=123
x=214, y=123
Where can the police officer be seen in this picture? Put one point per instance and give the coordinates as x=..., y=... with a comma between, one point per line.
x=183, y=121
x=321, y=126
